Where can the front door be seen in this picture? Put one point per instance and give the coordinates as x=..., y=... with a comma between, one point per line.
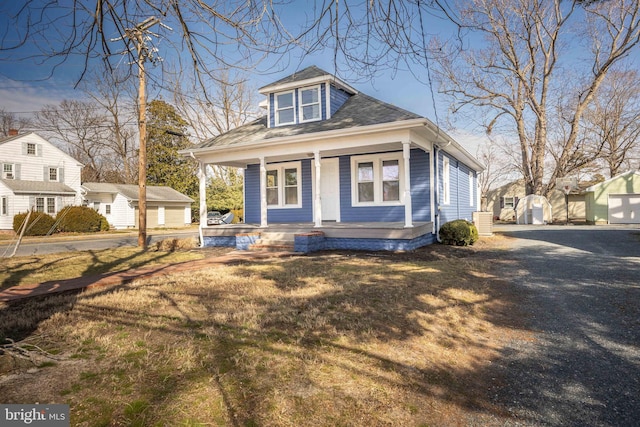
x=330, y=189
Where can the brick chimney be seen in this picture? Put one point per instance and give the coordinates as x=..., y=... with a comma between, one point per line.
x=13, y=132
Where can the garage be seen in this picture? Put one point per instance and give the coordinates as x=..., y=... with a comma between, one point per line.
x=624, y=208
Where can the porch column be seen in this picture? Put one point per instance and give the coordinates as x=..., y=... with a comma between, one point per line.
x=263, y=193
x=408, y=208
x=318, y=199
x=202, y=178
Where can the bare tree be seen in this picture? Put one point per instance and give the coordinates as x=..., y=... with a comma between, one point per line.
x=10, y=121
x=614, y=121
x=80, y=128
x=514, y=74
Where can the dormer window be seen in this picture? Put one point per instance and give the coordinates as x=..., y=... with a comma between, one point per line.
x=285, y=112
x=310, y=104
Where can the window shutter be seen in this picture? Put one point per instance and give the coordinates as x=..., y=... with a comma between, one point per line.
x=32, y=202
x=45, y=174
x=61, y=174
x=39, y=150
x=501, y=202
x=515, y=201
x=16, y=171
x=58, y=203
x=24, y=148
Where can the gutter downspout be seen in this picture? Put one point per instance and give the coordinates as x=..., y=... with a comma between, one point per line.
x=437, y=148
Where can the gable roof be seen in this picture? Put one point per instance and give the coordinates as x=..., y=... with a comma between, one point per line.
x=37, y=187
x=309, y=75
x=622, y=175
x=12, y=137
x=155, y=193
x=358, y=110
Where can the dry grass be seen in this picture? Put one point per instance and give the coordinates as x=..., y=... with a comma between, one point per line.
x=330, y=339
x=41, y=268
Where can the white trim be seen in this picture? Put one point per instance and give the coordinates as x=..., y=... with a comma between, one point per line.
x=446, y=180
x=471, y=198
x=276, y=117
x=408, y=207
x=327, y=94
x=280, y=185
x=7, y=174
x=301, y=105
x=376, y=160
x=327, y=78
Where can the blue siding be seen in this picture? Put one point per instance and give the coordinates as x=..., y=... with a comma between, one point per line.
x=459, y=206
x=275, y=215
x=272, y=110
x=338, y=98
x=420, y=188
x=252, y=194
x=323, y=101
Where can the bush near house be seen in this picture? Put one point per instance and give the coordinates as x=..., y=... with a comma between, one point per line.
x=81, y=219
x=40, y=224
x=459, y=232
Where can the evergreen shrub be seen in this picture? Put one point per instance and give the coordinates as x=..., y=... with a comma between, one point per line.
x=81, y=219
x=40, y=223
x=459, y=232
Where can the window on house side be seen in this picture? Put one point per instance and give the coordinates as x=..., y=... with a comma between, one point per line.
x=7, y=171
x=310, y=104
x=446, y=183
x=4, y=208
x=39, y=204
x=285, y=113
x=31, y=149
x=365, y=182
x=290, y=186
x=283, y=185
x=53, y=174
x=390, y=180
x=107, y=209
x=508, y=202
x=51, y=205
x=272, y=188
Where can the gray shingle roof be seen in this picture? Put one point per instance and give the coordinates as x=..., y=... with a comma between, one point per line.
x=308, y=73
x=359, y=110
x=12, y=137
x=155, y=193
x=37, y=187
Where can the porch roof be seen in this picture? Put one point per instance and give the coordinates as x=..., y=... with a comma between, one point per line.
x=38, y=187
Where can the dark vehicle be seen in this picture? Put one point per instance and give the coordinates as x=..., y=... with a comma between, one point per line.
x=214, y=218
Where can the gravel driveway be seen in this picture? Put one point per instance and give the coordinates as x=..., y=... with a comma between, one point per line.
x=581, y=288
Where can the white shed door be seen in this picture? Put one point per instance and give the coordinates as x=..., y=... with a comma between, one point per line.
x=161, y=219
x=624, y=208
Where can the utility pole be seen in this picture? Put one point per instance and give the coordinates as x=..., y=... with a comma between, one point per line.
x=138, y=35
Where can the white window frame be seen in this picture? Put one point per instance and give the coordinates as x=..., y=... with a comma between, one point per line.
x=471, y=189
x=301, y=105
x=277, y=109
x=280, y=168
x=511, y=204
x=446, y=180
x=47, y=203
x=35, y=149
x=4, y=206
x=107, y=209
x=57, y=174
x=378, y=196
x=5, y=174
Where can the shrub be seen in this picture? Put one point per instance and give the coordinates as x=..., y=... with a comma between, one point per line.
x=40, y=224
x=458, y=232
x=81, y=219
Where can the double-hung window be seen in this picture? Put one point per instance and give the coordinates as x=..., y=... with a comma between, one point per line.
x=309, y=104
x=46, y=204
x=285, y=111
x=4, y=206
x=284, y=186
x=8, y=171
x=31, y=149
x=377, y=179
x=53, y=174
x=508, y=202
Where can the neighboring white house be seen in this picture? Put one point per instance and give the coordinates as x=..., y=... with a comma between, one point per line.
x=35, y=174
x=118, y=203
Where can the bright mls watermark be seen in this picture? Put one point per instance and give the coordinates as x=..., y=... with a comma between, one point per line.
x=34, y=415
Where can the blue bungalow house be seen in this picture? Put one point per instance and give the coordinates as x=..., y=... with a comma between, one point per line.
x=329, y=167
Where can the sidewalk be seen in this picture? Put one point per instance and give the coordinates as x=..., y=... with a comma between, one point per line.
x=53, y=287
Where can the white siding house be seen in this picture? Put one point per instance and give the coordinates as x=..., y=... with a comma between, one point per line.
x=118, y=203
x=35, y=174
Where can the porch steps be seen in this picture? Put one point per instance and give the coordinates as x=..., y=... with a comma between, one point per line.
x=274, y=242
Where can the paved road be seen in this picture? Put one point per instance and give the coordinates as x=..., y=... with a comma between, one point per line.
x=53, y=244
x=582, y=290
